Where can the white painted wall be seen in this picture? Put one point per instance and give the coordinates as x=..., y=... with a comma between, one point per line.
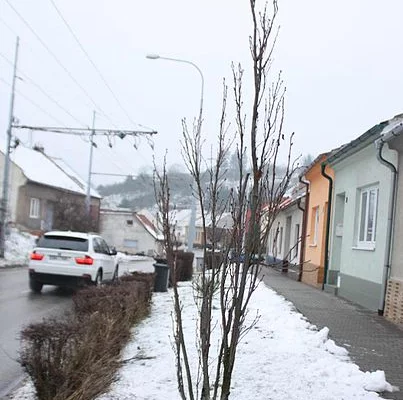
x=115, y=229
x=279, y=250
x=16, y=180
x=355, y=172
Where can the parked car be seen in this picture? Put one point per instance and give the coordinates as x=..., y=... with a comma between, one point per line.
x=234, y=257
x=71, y=259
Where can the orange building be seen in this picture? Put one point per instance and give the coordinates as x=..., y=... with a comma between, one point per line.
x=316, y=222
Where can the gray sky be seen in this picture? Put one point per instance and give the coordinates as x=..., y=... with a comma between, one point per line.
x=341, y=61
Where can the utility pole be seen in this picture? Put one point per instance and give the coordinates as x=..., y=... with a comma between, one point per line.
x=88, y=196
x=4, y=199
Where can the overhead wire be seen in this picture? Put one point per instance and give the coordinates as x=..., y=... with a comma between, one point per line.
x=32, y=82
x=57, y=60
x=101, y=112
x=77, y=40
x=33, y=102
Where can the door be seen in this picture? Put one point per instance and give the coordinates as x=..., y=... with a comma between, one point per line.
x=336, y=245
x=287, y=255
x=49, y=216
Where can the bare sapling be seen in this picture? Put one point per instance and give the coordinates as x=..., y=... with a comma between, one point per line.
x=230, y=272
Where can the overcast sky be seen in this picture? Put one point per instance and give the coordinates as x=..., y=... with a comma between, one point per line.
x=342, y=63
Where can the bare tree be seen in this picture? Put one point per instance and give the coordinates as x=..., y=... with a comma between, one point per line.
x=71, y=214
x=253, y=205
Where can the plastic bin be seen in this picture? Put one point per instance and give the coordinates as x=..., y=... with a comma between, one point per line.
x=161, y=277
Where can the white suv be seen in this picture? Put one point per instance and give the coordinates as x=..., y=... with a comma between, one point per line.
x=71, y=259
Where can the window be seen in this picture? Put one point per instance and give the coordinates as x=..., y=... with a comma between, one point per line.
x=34, y=208
x=367, y=217
x=63, y=243
x=129, y=222
x=296, y=240
x=130, y=243
x=315, y=225
x=96, y=244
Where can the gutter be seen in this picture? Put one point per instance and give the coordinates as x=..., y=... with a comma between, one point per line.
x=304, y=223
x=379, y=143
x=329, y=209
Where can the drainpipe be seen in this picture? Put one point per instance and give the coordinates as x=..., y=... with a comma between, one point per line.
x=304, y=223
x=392, y=203
x=329, y=209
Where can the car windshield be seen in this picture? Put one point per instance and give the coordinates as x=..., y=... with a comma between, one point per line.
x=63, y=243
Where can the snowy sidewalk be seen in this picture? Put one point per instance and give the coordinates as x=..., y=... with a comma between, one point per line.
x=283, y=358
x=373, y=342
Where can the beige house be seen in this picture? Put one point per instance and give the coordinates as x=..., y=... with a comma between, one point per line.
x=37, y=183
x=130, y=231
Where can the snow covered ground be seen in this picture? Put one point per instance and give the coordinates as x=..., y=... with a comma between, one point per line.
x=18, y=247
x=283, y=357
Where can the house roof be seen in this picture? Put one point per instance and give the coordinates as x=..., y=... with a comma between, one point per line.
x=41, y=168
x=360, y=142
x=297, y=193
x=313, y=163
x=149, y=226
x=393, y=129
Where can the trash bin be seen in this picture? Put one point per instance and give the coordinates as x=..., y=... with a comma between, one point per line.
x=199, y=264
x=161, y=277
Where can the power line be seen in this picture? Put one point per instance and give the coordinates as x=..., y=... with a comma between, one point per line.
x=30, y=80
x=33, y=103
x=92, y=62
x=57, y=60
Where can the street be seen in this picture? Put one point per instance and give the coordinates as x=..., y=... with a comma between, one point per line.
x=18, y=307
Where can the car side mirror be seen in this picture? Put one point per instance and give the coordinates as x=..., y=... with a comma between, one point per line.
x=113, y=251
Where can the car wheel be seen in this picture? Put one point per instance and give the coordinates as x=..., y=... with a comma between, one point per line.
x=35, y=286
x=98, y=279
x=116, y=274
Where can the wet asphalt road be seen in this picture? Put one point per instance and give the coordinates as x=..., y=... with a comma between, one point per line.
x=18, y=307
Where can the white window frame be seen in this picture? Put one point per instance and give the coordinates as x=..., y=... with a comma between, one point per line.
x=34, y=208
x=315, y=228
x=363, y=242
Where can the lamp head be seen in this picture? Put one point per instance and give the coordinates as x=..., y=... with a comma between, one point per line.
x=153, y=56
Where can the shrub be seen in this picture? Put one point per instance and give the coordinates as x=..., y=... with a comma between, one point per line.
x=184, y=265
x=76, y=356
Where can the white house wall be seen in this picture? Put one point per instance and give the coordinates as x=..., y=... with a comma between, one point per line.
x=359, y=270
x=116, y=230
x=16, y=180
x=280, y=224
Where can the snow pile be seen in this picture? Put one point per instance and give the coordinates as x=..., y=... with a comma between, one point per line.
x=283, y=357
x=18, y=247
x=122, y=257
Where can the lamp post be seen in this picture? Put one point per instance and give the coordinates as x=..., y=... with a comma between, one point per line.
x=192, y=222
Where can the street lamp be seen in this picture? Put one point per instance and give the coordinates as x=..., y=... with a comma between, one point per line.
x=192, y=222
x=158, y=57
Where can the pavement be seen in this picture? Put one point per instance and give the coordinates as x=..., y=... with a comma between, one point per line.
x=373, y=342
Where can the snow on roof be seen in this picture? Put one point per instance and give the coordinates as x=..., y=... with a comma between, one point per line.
x=149, y=227
x=73, y=175
x=40, y=168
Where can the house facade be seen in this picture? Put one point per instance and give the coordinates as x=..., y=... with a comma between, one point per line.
x=37, y=185
x=313, y=265
x=393, y=311
x=130, y=232
x=361, y=200
x=284, y=242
